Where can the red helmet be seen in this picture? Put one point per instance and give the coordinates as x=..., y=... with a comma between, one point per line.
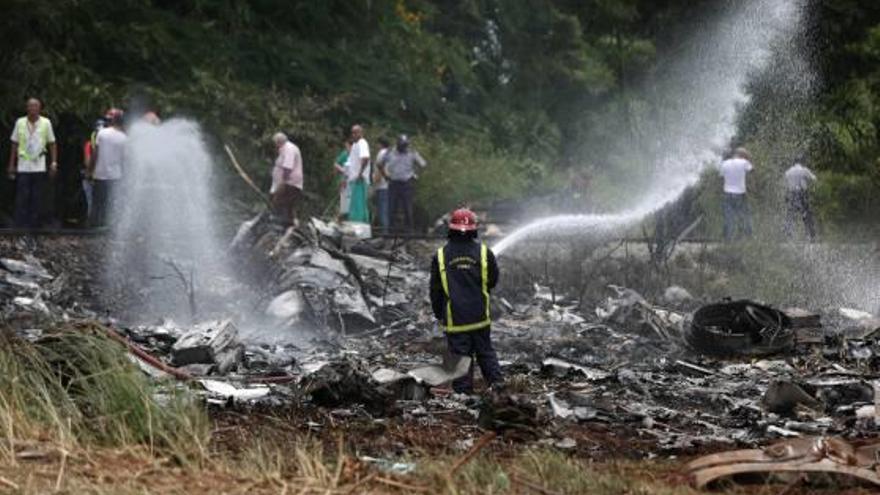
x=113, y=115
x=463, y=220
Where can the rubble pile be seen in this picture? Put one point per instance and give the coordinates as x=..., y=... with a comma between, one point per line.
x=356, y=339
x=27, y=290
x=316, y=278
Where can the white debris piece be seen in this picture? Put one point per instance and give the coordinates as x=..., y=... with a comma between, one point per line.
x=389, y=466
x=31, y=269
x=288, y=305
x=312, y=367
x=564, y=366
x=356, y=229
x=560, y=408
x=226, y=390
x=453, y=367
x=566, y=443
x=543, y=293
x=782, y=432
x=854, y=314
x=205, y=342
x=564, y=315
x=865, y=412
x=387, y=375
x=31, y=303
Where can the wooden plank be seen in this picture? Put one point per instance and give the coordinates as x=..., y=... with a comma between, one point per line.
x=734, y=456
x=705, y=476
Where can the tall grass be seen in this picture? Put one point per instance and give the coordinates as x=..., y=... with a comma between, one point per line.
x=548, y=470
x=76, y=388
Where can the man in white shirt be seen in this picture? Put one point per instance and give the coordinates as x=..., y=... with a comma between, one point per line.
x=32, y=136
x=735, y=204
x=798, y=179
x=287, y=179
x=359, y=156
x=357, y=174
x=108, y=163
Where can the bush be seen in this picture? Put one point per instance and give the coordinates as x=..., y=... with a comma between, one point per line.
x=470, y=171
x=846, y=199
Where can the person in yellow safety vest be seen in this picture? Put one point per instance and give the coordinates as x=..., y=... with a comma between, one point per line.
x=32, y=137
x=463, y=273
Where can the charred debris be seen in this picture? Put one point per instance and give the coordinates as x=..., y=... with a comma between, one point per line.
x=352, y=335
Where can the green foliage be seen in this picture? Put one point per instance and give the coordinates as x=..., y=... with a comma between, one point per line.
x=849, y=199
x=542, y=84
x=458, y=170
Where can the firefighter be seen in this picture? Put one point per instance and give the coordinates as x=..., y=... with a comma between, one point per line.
x=463, y=272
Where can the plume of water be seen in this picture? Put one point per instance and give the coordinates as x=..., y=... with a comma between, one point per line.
x=165, y=247
x=699, y=96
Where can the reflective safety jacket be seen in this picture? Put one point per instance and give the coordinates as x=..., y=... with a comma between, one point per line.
x=463, y=272
x=42, y=132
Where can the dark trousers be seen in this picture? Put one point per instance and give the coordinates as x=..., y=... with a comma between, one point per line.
x=797, y=206
x=284, y=202
x=102, y=199
x=478, y=345
x=382, y=208
x=737, y=218
x=400, y=194
x=29, y=187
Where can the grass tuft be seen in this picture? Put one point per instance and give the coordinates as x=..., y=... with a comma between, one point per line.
x=76, y=387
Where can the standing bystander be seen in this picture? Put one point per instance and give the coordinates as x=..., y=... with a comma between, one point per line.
x=339, y=171
x=798, y=179
x=287, y=179
x=380, y=186
x=737, y=218
x=88, y=151
x=358, y=177
x=32, y=136
x=400, y=167
x=108, y=163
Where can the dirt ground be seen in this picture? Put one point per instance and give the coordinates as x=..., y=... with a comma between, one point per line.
x=234, y=468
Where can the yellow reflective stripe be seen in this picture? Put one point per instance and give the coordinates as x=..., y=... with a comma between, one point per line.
x=23, y=135
x=441, y=264
x=468, y=328
x=484, y=275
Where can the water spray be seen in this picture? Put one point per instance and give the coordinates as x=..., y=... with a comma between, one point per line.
x=701, y=92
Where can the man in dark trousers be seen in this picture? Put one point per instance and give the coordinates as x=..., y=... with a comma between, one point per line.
x=798, y=179
x=463, y=272
x=399, y=166
x=32, y=138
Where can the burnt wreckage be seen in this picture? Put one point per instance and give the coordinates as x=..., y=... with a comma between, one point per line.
x=360, y=343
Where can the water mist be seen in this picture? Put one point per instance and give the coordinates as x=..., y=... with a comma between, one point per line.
x=697, y=119
x=165, y=247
